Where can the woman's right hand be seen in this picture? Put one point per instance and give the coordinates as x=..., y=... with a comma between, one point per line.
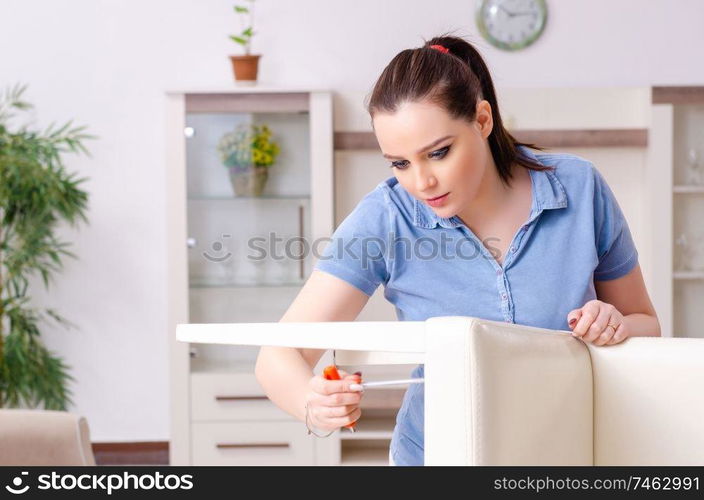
x=331, y=403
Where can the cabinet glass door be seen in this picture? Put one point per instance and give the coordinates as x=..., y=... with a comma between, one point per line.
x=246, y=251
x=688, y=209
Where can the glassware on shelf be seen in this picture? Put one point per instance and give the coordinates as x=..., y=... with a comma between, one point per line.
x=219, y=264
x=683, y=254
x=260, y=270
x=284, y=270
x=694, y=167
x=696, y=244
x=690, y=254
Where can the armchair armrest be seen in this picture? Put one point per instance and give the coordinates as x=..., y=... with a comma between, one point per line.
x=361, y=342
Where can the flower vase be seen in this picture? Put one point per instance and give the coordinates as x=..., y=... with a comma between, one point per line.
x=249, y=181
x=259, y=178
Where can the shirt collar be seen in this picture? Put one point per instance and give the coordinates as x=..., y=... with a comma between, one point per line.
x=547, y=193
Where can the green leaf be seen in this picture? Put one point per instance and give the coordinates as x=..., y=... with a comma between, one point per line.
x=241, y=10
x=239, y=40
x=248, y=32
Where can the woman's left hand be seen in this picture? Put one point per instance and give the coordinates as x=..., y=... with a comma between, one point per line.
x=598, y=322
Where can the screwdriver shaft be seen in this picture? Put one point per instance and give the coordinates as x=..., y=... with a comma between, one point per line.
x=393, y=382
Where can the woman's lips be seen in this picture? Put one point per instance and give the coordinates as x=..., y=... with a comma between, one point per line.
x=436, y=202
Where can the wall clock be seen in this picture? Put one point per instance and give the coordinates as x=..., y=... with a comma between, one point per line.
x=511, y=24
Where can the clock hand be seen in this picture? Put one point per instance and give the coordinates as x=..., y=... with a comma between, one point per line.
x=510, y=14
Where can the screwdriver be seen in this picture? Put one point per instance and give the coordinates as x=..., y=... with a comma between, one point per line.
x=383, y=383
x=330, y=373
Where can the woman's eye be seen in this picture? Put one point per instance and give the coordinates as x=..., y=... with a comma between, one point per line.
x=440, y=153
x=398, y=164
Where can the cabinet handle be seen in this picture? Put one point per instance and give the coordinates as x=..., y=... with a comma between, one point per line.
x=239, y=398
x=300, y=233
x=252, y=445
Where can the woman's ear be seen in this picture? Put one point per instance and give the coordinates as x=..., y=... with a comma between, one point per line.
x=484, y=119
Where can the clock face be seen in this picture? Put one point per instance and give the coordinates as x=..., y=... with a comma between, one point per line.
x=511, y=24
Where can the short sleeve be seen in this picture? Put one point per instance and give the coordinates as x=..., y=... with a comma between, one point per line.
x=357, y=252
x=616, y=250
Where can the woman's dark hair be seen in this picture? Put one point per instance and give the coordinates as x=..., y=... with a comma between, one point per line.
x=455, y=80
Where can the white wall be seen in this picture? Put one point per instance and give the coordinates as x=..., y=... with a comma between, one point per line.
x=106, y=63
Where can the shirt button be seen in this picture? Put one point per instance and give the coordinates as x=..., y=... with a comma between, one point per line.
x=513, y=249
x=498, y=272
x=503, y=295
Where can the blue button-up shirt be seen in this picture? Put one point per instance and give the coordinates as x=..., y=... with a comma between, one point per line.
x=431, y=266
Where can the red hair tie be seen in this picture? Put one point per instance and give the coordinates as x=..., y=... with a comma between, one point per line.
x=442, y=49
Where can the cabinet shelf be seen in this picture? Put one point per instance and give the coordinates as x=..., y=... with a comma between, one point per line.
x=287, y=284
x=301, y=197
x=688, y=275
x=688, y=189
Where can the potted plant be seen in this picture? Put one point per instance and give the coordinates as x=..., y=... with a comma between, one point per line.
x=245, y=67
x=248, y=152
x=37, y=195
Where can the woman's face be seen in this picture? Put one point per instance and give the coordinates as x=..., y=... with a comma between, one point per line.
x=432, y=154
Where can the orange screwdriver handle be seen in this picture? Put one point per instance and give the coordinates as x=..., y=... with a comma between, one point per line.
x=330, y=373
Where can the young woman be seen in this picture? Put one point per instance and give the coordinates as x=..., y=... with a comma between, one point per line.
x=472, y=223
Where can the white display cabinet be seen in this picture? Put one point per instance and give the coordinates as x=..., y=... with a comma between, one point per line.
x=677, y=168
x=237, y=258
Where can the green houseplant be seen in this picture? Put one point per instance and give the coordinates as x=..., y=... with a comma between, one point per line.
x=36, y=195
x=245, y=67
x=249, y=152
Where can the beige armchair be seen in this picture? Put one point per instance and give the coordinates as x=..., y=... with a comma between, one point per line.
x=43, y=437
x=534, y=396
x=504, y=394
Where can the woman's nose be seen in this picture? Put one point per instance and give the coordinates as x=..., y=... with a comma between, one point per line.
x=424, y=181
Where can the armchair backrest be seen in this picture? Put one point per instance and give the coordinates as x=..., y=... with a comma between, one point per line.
x=44, y=437
x=529, y=396
x=649, y=402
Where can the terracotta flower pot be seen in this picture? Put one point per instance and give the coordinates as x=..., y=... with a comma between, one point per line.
x=245, y=68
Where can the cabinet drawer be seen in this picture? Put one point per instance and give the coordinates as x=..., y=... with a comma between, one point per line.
x=251, y=443
x=228, y=396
